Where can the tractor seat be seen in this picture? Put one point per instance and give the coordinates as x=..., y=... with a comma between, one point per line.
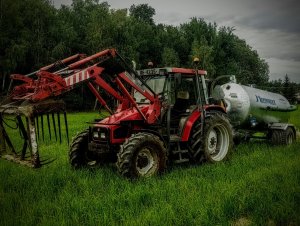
x=181, y=102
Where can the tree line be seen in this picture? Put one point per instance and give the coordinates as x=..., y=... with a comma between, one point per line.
x=34, y=33
x=286, y=87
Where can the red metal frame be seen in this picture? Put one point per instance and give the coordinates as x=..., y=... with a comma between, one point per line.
x=188, y=71
x=53, y=84
x=195, y=116
x=50, y=84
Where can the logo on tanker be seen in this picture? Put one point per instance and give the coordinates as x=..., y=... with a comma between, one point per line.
x=265, y=100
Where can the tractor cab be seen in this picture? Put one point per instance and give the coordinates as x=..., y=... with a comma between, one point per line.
x=173, y=83
x=180, y=91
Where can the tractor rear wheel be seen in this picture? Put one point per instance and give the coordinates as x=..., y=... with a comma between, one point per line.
x=195, y=143
x=142, y=155
x=215, y=144
x=218, y=138
x=78, y=154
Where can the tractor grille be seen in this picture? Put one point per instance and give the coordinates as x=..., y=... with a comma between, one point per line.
x=99, y=148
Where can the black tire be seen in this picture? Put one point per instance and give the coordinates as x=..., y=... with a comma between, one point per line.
x=142, y=155
x=195, y=143
x=78, y=154
x=215, y=145
x=283, y=137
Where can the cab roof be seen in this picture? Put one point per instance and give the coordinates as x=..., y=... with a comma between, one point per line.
x=168, y=70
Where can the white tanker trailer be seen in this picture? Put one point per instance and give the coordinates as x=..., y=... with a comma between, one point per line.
x=254, y=110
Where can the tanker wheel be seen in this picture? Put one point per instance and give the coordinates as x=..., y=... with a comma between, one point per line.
x=78, y=154
x=283, y=137
x=290, y=136
x=216, y=142
x=142, y=155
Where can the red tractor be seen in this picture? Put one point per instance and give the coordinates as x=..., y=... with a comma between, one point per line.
x=163, y=114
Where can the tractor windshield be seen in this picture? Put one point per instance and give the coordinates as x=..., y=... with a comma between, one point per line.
x=169, y=88
x=185, y=89
x=156, y=83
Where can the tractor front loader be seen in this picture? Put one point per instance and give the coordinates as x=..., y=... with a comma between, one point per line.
x=36, y=100
x=163, y=115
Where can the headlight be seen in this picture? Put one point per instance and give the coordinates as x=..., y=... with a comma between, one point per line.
x=95, y=134
x=102, y=135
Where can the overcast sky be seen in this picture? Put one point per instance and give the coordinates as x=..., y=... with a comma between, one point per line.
x=272, y=27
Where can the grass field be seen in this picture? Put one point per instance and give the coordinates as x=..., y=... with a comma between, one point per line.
x=259, y=185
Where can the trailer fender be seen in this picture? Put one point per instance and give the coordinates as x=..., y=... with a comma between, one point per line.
x=281, y=126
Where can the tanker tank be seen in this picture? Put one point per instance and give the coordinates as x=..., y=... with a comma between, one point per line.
x=248, y=107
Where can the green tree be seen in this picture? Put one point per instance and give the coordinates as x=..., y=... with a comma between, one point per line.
x=234, y=56
x=25, y=37
x=289, y=89
x=274, y=86
x=205, y=54
x=170, y=57
x=143, y=12
x=286, y=86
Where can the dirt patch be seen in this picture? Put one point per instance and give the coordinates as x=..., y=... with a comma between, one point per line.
x=242, y=222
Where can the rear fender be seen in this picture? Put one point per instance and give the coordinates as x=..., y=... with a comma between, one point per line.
x=189, y=125
x=194, y=117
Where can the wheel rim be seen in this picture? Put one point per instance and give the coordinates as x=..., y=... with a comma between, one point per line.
x=290, y=138
x=212, y=141
x=146, y=162
x=218, y=142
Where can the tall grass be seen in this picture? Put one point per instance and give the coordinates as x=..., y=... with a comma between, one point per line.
x=260, y=185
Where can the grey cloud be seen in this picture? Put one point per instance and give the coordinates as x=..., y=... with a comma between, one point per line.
x=279, y=15
x=58, y=3
x=283, y=21
x=288, y=56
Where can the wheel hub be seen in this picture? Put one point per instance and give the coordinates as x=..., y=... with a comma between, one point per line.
x=143, y=161
x=212, y=141
x=146, y=162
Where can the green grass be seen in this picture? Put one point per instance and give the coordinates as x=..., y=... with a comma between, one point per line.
x=259, y=185
x=295, y=117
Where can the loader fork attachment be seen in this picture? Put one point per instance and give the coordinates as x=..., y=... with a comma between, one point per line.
x=29, y=119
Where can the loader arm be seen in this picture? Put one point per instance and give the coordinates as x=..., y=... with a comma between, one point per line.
x=33, y=98
x=52, y=84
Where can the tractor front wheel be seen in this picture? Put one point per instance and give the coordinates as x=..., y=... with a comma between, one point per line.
x=78, y=154
x=142, y=155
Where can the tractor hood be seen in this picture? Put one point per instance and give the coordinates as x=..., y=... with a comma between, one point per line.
x=130, y=114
